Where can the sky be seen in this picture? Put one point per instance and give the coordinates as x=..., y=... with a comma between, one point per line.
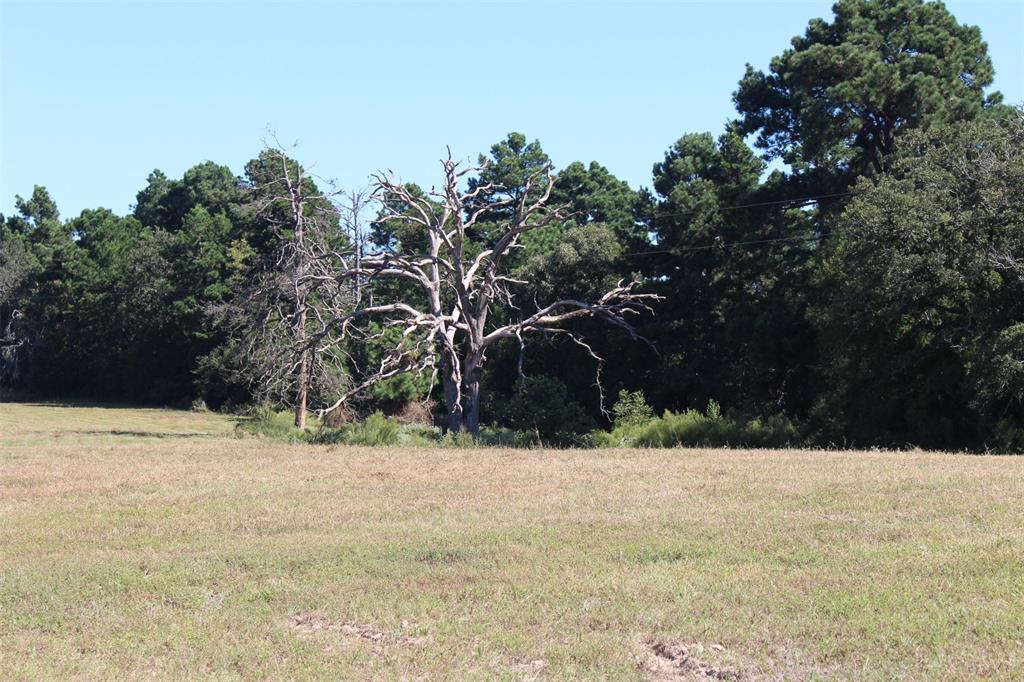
x=94, y=96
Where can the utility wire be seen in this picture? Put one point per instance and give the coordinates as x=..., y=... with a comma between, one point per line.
x=724, y=245
x=794, y=200
x=705, y=247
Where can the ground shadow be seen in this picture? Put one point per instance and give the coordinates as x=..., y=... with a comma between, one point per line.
x=140, y=434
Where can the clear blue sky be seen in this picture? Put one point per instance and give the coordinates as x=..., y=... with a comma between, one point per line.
x=96, y=95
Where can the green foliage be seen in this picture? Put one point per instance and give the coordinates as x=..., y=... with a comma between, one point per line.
x=511, y=164
x=710, y=429
x=462, y=439
x=733, y=323
x=838, y=98
x=922, y=293
x=631, y=409
x=265, y=422
x=374, y=430
x=541, y=406
x=595, y=196
x=400, y=389
x=38, y=209
x=1007, y=437
x=581, y=262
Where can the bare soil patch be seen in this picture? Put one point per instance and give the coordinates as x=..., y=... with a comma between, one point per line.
x=347, y=634
x=667, y=661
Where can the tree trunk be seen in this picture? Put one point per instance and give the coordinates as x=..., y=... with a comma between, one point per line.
x=450, y=383
x=471, y=372
x=301, y=399
x=302, y=394
x=471, y=398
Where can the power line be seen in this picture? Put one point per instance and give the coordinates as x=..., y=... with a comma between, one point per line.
x=794, y=200
x=705, y=247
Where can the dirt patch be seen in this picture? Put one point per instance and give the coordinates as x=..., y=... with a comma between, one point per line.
x=334, y=635
x=666, y=661
x=530, y=670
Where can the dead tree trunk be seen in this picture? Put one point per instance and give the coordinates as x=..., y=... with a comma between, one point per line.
x=276, y=311
x=354, y=204
x=300, y=285
x=471, y=420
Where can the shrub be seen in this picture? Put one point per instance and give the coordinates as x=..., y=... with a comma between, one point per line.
x=541, y=406
x=708, y=429
x=489, y=436
x=267, y=423
x=417, y=434
x=374, y=430
x=462, y=439
x=631, y=409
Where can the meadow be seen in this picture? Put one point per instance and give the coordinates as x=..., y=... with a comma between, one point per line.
x=154, y=543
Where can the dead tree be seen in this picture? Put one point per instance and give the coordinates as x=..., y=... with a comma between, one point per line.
x=273, y=313
x=353, y=206
x=447, y=328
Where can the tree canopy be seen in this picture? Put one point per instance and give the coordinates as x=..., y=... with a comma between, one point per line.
x=838, y=98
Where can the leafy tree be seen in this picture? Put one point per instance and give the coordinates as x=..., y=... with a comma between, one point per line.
x=582, y=256
x=166, y=203
x=398, y=391
x=595, y=196
x=733, y=266
x=149, y=209
x=505, y=177
x=38, y=210
x=923, y=292
x=840, y=96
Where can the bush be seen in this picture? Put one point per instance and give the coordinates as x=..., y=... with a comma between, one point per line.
x=541, y=406
x=374, y=430
x=417, y=434
x=267, y=423
x=462, y=439
x=631, y=409
x=710, y=429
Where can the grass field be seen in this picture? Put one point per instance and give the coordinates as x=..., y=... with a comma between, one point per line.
x=142, y=543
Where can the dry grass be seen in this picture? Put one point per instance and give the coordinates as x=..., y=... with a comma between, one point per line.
x=181, y=555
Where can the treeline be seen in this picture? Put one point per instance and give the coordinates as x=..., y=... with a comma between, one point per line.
x=852, y=275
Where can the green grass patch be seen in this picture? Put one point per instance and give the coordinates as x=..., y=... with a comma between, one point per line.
x=214, y=556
